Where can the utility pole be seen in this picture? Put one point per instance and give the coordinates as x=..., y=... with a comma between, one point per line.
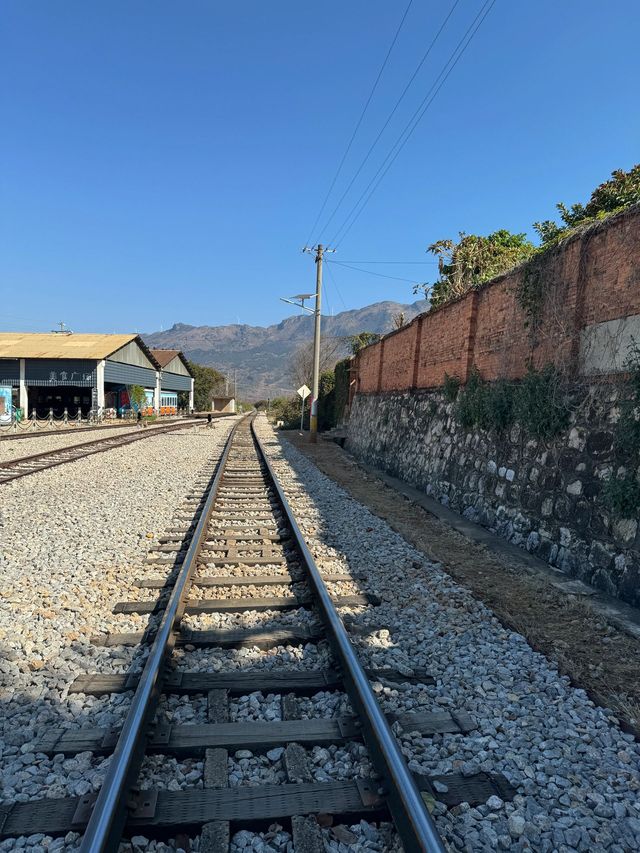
x=313, y=426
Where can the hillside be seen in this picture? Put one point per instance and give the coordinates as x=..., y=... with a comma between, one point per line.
x=261, y=355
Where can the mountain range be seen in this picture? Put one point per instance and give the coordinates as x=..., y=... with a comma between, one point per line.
x=261, y=356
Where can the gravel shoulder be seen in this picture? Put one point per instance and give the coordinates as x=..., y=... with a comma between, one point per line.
x=593, y=653
x=575, y=770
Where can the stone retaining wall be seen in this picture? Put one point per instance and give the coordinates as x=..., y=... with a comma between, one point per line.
x=545, y=497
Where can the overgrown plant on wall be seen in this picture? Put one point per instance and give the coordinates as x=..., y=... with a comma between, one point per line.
x=539, y=403
x=473, y=260
x=622, y=489
x=620, y=191
x=361, y=340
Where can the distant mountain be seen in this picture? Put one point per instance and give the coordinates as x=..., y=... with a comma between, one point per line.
x=261, y=355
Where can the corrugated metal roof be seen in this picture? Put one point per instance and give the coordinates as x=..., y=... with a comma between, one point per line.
x=52, y=345
x=164, y=356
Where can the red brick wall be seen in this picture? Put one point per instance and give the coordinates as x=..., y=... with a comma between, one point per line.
x=368, y=361
x=591, y=278
x=446, y=334
x=397, y=369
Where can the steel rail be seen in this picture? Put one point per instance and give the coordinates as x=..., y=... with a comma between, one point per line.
x=117, y=424
x=412, y=819
x=108, y=818
x=45, y=432
x=100, y=445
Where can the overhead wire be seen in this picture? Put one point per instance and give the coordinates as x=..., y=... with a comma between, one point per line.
x=413, y=123
x=358, y=123
x=390, y=116
x=335, y=285
x=377, y=274
x=397, y=263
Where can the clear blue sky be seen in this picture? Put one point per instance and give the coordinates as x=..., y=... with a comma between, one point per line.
x=165, y=161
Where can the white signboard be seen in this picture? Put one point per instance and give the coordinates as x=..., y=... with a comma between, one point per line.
x=304, y=392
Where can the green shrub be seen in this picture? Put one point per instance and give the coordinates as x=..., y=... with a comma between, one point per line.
x=342, y=378
x=451, y=387
x=541, y=403
x=622, y=495
x=489, y=406
x=470, y=403
x=499, y=406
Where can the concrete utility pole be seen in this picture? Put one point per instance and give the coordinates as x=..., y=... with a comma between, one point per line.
x=313, y=426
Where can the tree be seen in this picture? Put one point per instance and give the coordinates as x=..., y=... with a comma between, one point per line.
x=398, y=320
x=622, y=190
x=472, y=261
x=301, y=364
x=207, y=383
x=364, y=339
x=137, y=397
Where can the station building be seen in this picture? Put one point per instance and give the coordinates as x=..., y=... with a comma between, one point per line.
x=83, y=372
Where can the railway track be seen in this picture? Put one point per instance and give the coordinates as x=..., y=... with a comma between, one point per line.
x=44, y=432
x=25, y=465
x=242, y=536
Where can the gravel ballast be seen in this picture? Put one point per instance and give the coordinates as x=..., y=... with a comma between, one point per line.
x=75, y=543
x=74, y=539
x=575, y=771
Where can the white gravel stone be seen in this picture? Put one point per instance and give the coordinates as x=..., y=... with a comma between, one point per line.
x=43, y=443
x=74, y=539
x=575, y=771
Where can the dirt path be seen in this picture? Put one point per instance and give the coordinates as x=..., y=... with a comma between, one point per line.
x=598, y=657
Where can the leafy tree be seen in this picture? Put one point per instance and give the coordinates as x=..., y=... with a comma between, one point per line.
x=620, y=191
x=207, y=383
x=472, y=261
x=364, y=339
x=137, y=397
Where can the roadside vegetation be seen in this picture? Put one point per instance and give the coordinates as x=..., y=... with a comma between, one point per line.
x=207, y=384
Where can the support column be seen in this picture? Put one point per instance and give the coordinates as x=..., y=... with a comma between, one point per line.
x=23, y=392
x=100, y=385
x=191, y=398
x=156, y=393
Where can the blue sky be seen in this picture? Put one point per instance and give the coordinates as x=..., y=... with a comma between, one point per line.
x=164, y=161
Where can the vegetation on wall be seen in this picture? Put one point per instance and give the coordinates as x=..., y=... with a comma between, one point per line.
x=471, y=261
x=620, y=191
x=451, y=387
x=363, y=339
x=538, y=403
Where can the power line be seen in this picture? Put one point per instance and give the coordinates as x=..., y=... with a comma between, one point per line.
x=397, y=263
x=414, y=121
x=358, y=123
x=377, y=274
x=390, y=116
x=335, y=284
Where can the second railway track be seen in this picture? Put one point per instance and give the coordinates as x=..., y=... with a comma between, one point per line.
x=13, y=469
x=242, y=552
